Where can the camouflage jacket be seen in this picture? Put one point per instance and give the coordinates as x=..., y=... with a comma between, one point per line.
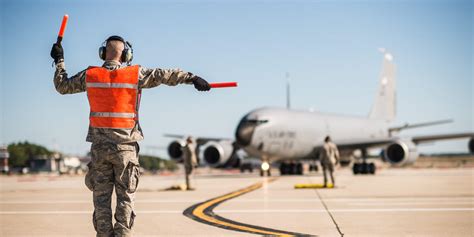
x=329, y=153
x=148, y=78
x=189, y=155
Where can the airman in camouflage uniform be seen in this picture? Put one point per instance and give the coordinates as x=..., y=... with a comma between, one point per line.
x=114, y=152
x=190, y=160
x=329, y=157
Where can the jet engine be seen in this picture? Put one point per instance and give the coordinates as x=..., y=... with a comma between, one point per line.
x=175, y=150
x=217, y=153
x=471, y=145
x=402, y=152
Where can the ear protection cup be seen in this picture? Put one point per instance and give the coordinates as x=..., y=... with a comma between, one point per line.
x=127, y=53
x=102, y=52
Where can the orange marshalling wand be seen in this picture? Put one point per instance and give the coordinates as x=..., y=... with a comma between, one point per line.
x=223, y=84
x=62, y=29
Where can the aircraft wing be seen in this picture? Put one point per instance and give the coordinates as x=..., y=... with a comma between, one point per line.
x=363, y=143
x=431, y=138
x=369, y=143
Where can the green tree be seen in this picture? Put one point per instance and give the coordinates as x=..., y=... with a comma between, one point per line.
x=21, y=152
x=154, y=163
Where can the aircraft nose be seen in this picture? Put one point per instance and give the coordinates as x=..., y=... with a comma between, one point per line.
x=244, y=132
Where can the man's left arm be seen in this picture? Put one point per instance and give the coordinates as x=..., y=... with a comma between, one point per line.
x=150, y=78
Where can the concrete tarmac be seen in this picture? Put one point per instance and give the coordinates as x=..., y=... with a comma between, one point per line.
x=394, y=202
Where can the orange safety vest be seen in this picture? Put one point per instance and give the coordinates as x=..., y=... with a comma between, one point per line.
x=113, y=96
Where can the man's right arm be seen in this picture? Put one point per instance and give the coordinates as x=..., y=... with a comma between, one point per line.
x=65, y=85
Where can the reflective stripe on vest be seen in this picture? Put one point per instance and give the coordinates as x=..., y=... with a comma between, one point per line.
x=113, y=97
x=111, y=85
x=112, y=115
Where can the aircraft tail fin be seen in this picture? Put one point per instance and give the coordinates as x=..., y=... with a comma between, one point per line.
x=288, y=98
x=385, y=100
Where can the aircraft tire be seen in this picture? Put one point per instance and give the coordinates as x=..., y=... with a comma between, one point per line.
x=365, y=168
x=283, y=168
x=371, y=168
x=299, y=169
x=355, y=168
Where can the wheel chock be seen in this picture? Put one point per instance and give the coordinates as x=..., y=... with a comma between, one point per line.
x=181, y=187
x=310, y=186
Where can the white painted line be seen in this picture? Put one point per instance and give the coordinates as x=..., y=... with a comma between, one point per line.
x=412, y=203
x=252, y=211
x=347, y=200
x=347, y=210
x=80, y=212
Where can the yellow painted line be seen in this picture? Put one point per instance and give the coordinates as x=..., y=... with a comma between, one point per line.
x=199, y=212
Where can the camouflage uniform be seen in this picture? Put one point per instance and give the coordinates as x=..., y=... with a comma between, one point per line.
x=115, y=151
x=190, y=161
x=328, y=156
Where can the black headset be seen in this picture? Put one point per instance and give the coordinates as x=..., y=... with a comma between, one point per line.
x=127, y=53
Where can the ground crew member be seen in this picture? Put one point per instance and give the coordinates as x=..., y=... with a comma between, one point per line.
x=329, y=157
x=114, y=93
x=190, y=160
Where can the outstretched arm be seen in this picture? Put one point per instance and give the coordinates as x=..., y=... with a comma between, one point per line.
x=150, y=78
x=62, y=83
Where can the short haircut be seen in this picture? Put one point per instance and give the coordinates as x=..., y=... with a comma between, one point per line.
x=114, y=49
x=327, y=139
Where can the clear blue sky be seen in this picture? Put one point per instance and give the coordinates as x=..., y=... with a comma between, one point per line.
x=328, y=47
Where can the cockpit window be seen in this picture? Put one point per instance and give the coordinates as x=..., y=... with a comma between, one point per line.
x=246, y=128
x=256, y=121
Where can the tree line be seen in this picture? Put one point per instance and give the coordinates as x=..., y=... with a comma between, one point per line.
x=22, y=152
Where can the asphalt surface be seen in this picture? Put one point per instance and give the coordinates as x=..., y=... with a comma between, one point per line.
x=395, y=202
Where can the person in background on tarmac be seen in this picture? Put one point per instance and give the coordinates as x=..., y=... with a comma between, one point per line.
x=113, y=91
x=190, y=160
x=329, y=157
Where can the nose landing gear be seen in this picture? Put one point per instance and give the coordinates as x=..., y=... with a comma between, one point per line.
x=265, y=169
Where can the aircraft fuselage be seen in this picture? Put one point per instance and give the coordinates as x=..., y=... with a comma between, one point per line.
x=283, y=134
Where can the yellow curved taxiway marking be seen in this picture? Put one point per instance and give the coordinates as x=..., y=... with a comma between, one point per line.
x=199, y=211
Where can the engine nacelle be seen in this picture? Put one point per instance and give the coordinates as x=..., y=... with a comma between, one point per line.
x=175, y=150
x=217, y=153
x=402, y=152
x=471, y=145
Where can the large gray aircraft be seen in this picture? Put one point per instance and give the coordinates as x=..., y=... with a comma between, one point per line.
x=288, y=136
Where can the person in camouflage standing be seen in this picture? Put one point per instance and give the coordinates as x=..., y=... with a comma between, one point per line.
x=190, y=160
x=329, y=157
x=113, y=91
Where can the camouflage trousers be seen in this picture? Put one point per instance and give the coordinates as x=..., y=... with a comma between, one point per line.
x=328, y=166
x=113, y=166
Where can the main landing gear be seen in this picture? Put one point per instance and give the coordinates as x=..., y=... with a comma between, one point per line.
x=291, y=168
x=313, y=167
x=363, y=168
